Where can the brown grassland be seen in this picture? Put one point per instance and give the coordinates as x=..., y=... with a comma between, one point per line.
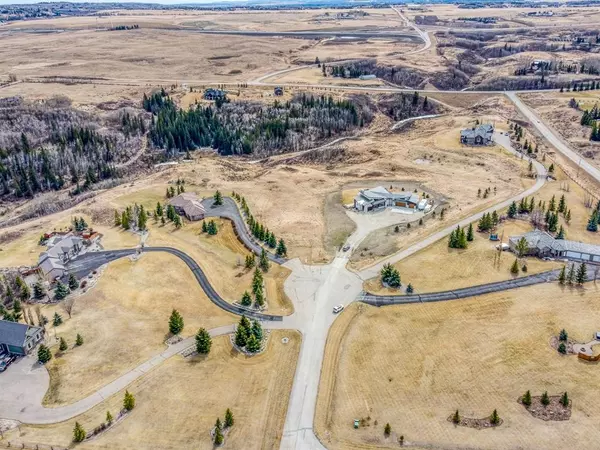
x=414, y=365
x=178, y=402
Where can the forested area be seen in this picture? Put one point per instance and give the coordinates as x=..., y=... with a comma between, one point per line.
x=48, y=145
x=243, y=128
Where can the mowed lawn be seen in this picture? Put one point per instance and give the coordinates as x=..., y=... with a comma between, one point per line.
x=178, y=402
x=124, y=322
x=414, y=365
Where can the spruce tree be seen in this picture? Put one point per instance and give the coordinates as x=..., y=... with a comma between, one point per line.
x=263, y=261
x=281, y=249
x=259, y=298
x=409, y=289
x=252, y=344
x=38, y=290
x=78, y=433
x=456, y=417
x=218, y=198
x=218, y=437
x=204, y=227
x=44, y=355
x=246, y=299
x=203, y=341
x=73, y=283
x=564, y=400
x=79, y=340
x=512, y=210
x=63, y=345
x=561, y=233
x=60, y=291
x=57, y=320
x=117, y=219
x=257, y=330
x=562, y=276
x=545, y=399
x=142, y=219
x=175, y=322
x=563, y=336
x=514, y=269
x=109, y=418
x=494, y=418
x=581, y=276
x=470, y=235
x=527, y=398
x=571, y=274
x=387, y=430
x=229, y=421
x=250, y=261
x=128, y=401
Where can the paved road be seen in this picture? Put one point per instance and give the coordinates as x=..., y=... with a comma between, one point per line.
x=424, y=35
x=471, y=291
x=86, y=263
x=312, y=34
x=503, y=140
x=553, y=137
x=230, y=210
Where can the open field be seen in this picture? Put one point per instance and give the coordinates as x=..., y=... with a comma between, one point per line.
x=475, y=355
x=439, y=268
x=124, y=321
x=178, y=402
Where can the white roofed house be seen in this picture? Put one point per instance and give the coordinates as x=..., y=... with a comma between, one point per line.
x=61, y=250
x=380, y=197
x=479, y=135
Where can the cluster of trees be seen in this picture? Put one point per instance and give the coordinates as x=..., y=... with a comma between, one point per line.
x=458, y=237
x=251, y=128
x=257, y=291
x=517, y=131
x=402, y=76
x=249, y=336
x=582, y=86
x=494, y=418
x=61, y=290
x=545, y=399
x=79, y=224
x=79, y=433
x=488, y=221
x=133, y=218
x=403, y=106
x=562, y=339
x=486, y=192
x=573, y=276
x=218, y=438
x=390, y=276
x=210, y=227
x=542, y=214
x=594, y=218
x=259, y=231
x=48, y=146
x=590, y=118
x=179, y=188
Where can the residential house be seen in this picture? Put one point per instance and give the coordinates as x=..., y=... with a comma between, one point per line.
x=19, y=338
x=61, y=249
x=542, y=244
x=214, y=94
x=479, y=135
x=188, y=205
x=380, y=197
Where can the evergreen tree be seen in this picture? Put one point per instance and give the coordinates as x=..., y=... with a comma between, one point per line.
x=568, y=217
x=211, y=228
x=229, y=421
x=60, y=291
x=252, y=344
x=257, y=330
x=79, y=340
x=117, y=219
x=562, y=348
x=38, y=290
x=562, y=204
x=571, y=274
x=561, y=233
x=526, y=399
x=128, y=401
x=593, y=222
x=456, y=417
x=581, y=276
x=259, y=298
x=514, y=269
x=257, y=281
x=387, y=430
x=564, y=400
x=218, y=440
x=263, y=261
x=250, y=261
x=218, y=199
x=562, y=276
x=390, y=276
x=175, y=322
x=203, y=341
x=470, y=235
x=73, y=283
x=57, y=320
x=241, y=336
x=494, y=418
x=246, y=299
x=563, y=336
x=409, y=289
x=158, y=210
x=78, y=433
x=44, y=354
x=281, y=249
x=125, y=221
x=204, y=227
x=545, y=399
x=522, y=247
x=142, y=219
x=109, y=418
x=63, y=345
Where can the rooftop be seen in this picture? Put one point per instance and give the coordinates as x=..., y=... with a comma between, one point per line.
x=14, y=333
x=541, y=239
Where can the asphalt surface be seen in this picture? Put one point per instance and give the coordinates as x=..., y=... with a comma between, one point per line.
x=230, y=210
x=312, y=34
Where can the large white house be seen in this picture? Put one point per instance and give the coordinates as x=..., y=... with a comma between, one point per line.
x=380, y=197
x=61, y=248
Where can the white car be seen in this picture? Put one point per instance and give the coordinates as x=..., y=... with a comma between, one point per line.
x=338, y=308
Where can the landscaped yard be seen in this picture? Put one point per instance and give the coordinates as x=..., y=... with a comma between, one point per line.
x=178, y=402
x=414, y=365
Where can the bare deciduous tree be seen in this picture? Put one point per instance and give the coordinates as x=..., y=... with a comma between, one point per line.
x=68, y=305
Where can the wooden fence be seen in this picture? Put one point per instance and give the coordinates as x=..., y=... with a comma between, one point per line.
x=28, y=445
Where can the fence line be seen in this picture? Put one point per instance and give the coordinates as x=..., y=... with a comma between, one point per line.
x=29, y=446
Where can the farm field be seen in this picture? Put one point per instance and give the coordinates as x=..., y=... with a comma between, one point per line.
x=475, y=355
x=130, y=299
x=167, y=414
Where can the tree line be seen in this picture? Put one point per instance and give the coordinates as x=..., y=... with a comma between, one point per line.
x=241, y=128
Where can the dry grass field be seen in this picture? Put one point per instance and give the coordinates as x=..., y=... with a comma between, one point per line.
x=124, y=322
x=178, y=402
x=414, y=365
x=439, y=268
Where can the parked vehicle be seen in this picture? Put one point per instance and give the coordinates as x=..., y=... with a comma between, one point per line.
x=346, y=248
x=338, y=308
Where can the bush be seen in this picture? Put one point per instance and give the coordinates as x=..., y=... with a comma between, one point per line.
x=562, y=348
x=387, y=430
x=563, y=335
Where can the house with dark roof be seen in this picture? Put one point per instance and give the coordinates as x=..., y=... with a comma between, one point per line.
x=213, y=94
x=19, y=338
x=380, y=197
x=479, y=135
x=188, y=205
x=542, y=244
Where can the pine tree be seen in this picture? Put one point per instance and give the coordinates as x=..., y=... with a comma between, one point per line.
x=526, y=399
x=568, y=217
x=117, y=219
x=218, y=436
x=259, y=298
x=581, y=276
x=387, y=430
x=257, y=330
x=409, y=289
x=593, y=222
x=44, y=355
x=563, y=336
x=218, y=199
x=456, y=417
x=571, y=274
x=281, y=249
x=241, y=336
x=252, y=344
x=545, y=399
x=78, y=433
x=561, y=204
x=263, y=261
x=561, y=233
x=79, y=340
x=211, y=228
x=514, y=269
x=142, y=219
x=158, y=210
x=175, y=322
x=73, y=283
x=250, y=261
x=512, y=210
x=128, y=401
x=38, y=290
x=204, y=227
x=494, y=418
x=57, y=320
x=470, y=235
x=63, y=345
x=562, y=276
x=203, y=341
x=246, y=299
x=229, y=421
x=564, y=400
x=60, y=291
x=109, y=418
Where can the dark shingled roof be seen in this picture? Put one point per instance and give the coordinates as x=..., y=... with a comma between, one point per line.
x=13, y=333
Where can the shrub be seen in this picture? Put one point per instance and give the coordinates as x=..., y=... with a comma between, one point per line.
x=562, y=348
x=563, y=335
x=527, y=398
x=456, y=418
x=387, y=430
